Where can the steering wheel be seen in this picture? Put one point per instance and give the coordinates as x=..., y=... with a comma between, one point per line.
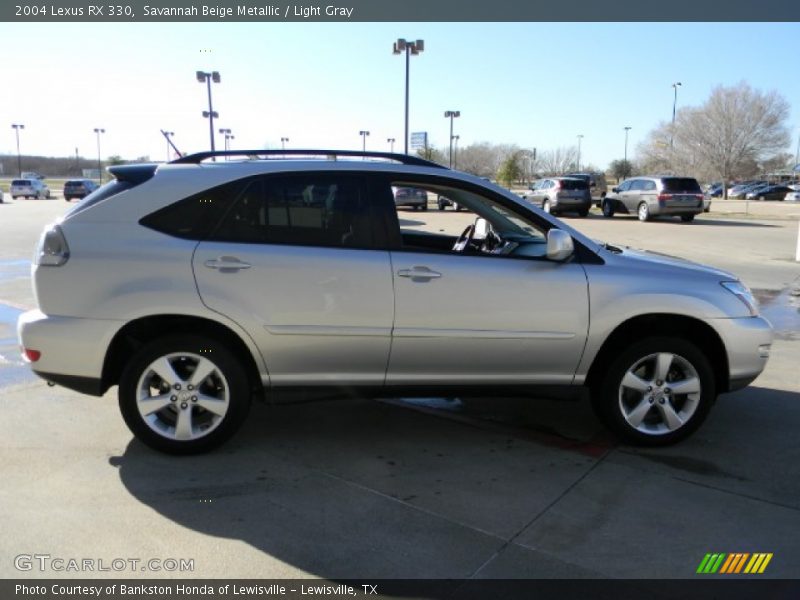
x=463, y=241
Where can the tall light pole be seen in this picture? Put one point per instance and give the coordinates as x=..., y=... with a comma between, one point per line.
x=409, y=48
x=17, y=127
x=228, y=137
x=283, y=142
x=455, y=138
x=580, y=137
x=627, y=129
x=168, y=134
x=363, y=133
x=675, y=87
x=451, y=114
x=98, y=131
x=390, y=141
x=207, y=78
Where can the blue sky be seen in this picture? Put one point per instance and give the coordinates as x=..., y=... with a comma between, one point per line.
x=532, y=84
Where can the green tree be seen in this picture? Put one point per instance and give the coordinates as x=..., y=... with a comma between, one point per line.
x=510, y=170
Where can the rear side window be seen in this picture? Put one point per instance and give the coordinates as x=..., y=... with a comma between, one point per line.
x=681, y=184
x=195, y=217
x=308, y=210
x=574, y=184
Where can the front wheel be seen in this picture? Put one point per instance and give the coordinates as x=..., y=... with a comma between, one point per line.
x=608, y=209
x=584, y=212
x=184, y=394
x=656, y=392
x=687, y=218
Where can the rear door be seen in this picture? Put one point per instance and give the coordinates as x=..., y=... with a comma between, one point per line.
x=682, y=193
x=294, y=262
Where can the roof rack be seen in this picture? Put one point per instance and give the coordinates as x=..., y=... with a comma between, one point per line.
x=405, y=159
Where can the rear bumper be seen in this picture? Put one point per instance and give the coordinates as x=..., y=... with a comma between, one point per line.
x=72, y=350
x=656, y=208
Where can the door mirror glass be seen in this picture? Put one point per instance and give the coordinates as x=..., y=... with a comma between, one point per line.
x=481, y=229
x=559, y=245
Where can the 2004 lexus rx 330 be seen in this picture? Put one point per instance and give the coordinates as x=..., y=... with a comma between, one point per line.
x=194, y=284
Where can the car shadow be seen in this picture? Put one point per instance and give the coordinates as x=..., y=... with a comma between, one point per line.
x=700, y=220
x=358, y=488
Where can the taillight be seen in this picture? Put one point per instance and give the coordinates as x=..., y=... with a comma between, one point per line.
x=557, y=185
x=663, y=197
x=52, y=250
x=31, y=355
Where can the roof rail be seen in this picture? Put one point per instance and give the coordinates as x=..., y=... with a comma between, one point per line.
x=405, y=159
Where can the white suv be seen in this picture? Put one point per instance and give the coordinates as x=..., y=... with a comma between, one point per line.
x=29, y=188
x=196, y=285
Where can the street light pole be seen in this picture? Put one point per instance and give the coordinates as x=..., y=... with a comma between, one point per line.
x=675, y=87
x=283, y=142
x=363, y=133
x=409, y=48
x=391, y=144
x=17, y=127
x=167, y=135
x=98, y=131
x=207, y=78
x=451, y=114
x=455, y=153
x=580, y=137
x=627, y=129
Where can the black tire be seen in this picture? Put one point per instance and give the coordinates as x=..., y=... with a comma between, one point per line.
x=687, y=363
x=687, y=218
x=547, y=207
x=184, y=351
x=608, y=209
x=424, y=206
x=440, y=203
x=584, y=212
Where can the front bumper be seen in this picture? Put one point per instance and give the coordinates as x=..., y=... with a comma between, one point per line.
x=748, y=341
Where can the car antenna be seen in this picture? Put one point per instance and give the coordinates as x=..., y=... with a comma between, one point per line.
x=169, y=141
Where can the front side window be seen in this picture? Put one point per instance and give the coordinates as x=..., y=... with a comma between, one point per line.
x=310, y=210
x=467, y=223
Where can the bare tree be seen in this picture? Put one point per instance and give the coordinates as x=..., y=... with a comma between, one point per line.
x=558, y=161
x=733, y=134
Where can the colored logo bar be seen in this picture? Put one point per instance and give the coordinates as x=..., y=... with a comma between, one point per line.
x=734, y=563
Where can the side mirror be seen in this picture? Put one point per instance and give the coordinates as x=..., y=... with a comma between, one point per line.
x=559, y=245
x=615, y=189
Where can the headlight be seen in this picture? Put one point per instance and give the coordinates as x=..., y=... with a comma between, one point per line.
x=741, y=291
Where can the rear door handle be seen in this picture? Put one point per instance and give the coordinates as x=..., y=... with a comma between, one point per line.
x=419, y=273
x=227, y=264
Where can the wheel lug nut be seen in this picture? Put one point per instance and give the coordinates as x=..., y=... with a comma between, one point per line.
x=194, y=398
x=649, y=388
x=177, y=386
x=667, y=390
x=173, y=398
x=651, y=399
x=190, y=387
x=659, y=382
x=184, y=405
x=661, y=401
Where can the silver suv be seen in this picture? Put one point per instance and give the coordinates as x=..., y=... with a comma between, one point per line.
x=558, y=195
x=649, y=197
x=195, y=286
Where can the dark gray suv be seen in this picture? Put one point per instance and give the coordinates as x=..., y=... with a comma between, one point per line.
x=649, y=197
x=562, y=194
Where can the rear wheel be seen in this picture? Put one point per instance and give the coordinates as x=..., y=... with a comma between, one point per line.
x=584, y=212
x=657, y=392
x=608, y=209
x=643, y=212
x=440, y=203
x=546, y=206
x=687, y=218
x=424, y=206
x=184, y=394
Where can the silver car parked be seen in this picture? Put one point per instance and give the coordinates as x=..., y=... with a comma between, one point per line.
x=649, y=197
x=558, y=195
x=221, y=281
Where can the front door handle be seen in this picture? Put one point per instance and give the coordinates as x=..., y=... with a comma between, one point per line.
x=421, y=273
x=227, y=264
